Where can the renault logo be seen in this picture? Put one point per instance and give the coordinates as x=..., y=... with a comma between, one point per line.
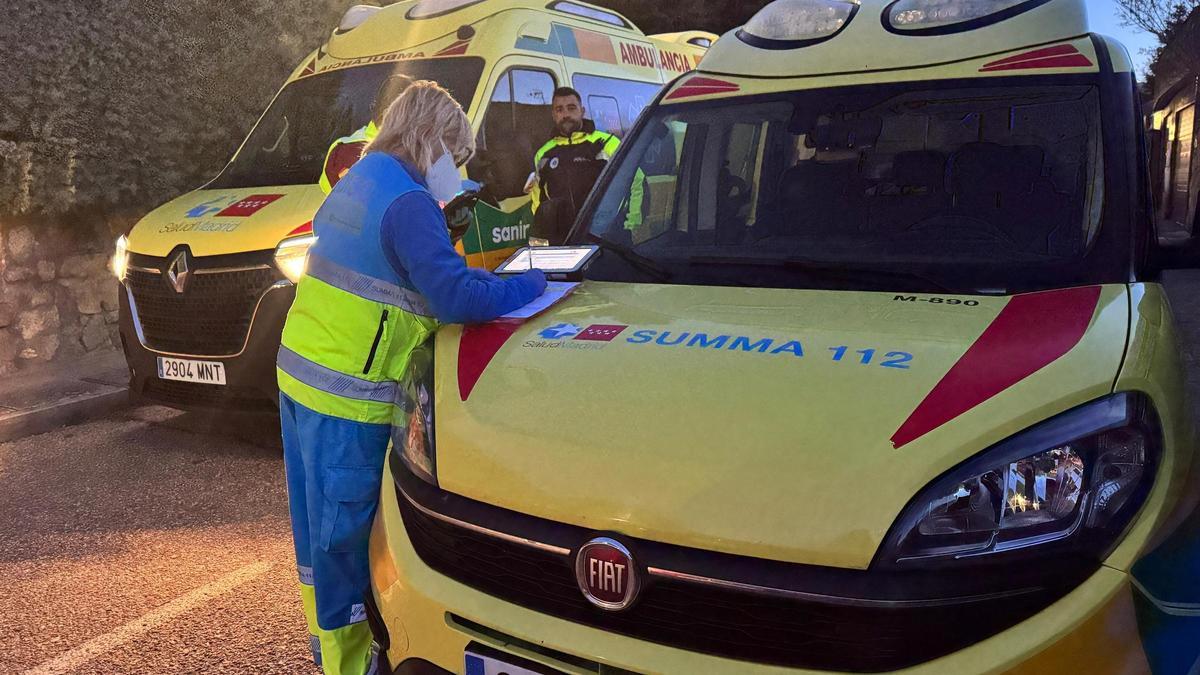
x=178, y=272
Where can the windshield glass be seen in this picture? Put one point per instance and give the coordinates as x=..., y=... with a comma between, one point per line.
x=960, y=188
x=289, y=144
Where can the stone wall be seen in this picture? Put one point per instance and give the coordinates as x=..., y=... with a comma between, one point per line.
x=58, y=299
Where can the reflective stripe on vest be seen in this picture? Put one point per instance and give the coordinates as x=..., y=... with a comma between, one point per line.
x=367, y=287
x=332, y=382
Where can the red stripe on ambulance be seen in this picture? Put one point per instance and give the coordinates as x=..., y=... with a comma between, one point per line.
x=1059, y=56
x=703, y=86
x=477, y=347
x=1030, y=333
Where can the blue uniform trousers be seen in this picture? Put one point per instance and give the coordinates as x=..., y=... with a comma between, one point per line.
x=334, y=471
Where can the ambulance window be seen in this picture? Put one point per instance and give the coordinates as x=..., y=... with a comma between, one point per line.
x=606, y=112
x=729, y=151
x=517, y=122
x=632, y=98
x=739, y=179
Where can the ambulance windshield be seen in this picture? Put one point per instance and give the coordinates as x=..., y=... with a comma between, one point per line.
x=912, y=179
x=289, y=144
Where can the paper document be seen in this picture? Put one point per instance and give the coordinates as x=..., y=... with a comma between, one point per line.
x=555, y=291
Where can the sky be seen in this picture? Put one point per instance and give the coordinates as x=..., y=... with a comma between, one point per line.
x=1104, y=20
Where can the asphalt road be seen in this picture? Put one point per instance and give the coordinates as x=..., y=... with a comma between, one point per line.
x=158, y=541
x=152, y=542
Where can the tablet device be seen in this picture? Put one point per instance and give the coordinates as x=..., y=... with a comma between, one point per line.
x=549, y=259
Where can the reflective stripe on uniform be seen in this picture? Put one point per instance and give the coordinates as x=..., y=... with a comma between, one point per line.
x=314, y=646
x=366, y=287
x=332, y=382
x=331, y=405
x=306, y=575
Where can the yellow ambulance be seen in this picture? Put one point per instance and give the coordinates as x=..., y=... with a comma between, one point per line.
x=207, y=278
x=884, y=381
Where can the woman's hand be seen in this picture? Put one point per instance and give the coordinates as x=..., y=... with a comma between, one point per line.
x=537, y=278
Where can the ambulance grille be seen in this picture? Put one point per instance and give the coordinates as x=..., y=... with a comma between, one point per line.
x=725, y=622
x=212, y=316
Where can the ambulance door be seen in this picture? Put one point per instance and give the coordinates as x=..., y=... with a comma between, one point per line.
x=515, y=122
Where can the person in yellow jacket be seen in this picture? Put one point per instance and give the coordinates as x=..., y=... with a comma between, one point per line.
x=567, y=166
x=347, y=150
x=381, y=277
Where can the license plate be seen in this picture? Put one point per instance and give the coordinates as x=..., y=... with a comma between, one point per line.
x=184, y=370
x=480, y=664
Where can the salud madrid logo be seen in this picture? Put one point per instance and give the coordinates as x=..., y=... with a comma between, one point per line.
x=572, y=336
x=561, y=331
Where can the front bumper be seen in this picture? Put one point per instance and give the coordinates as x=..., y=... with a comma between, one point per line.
x=251, y=385
x=434, y=618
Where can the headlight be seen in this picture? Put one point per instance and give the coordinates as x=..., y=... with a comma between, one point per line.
x=120, y=259
x=292, y=255
x=1071, y=483
x=789, y=24
x=412, y=430
x=938, y=16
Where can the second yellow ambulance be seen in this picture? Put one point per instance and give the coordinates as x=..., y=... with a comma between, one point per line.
x=207, y=278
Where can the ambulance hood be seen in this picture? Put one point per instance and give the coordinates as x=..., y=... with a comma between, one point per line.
x=218, y=222
x=783, y=424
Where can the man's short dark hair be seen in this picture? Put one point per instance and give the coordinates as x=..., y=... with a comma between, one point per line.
x=564, y=92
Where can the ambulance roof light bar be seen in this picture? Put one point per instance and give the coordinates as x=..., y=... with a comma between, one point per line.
x=355, y=16
x=588, y=12
x=942, y=17
x=430, y=9
x=791, y=24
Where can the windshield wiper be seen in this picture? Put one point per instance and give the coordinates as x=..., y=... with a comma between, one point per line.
x=823, y=269
x=635, y=259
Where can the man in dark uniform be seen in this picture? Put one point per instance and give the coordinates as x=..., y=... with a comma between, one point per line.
x=567, y=167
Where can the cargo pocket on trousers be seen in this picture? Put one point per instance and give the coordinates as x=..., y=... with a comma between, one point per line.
x=351, y=497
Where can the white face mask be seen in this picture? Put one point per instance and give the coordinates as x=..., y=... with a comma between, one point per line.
x=445, y=182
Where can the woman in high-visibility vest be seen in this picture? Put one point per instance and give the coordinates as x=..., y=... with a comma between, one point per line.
x=380, y=278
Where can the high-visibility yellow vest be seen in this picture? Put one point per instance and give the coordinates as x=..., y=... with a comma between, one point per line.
x=355, y=320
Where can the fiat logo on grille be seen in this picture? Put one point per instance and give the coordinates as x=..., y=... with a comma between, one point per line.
x=607, y=575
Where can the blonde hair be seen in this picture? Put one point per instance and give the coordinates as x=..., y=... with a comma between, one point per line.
x=417, y=124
